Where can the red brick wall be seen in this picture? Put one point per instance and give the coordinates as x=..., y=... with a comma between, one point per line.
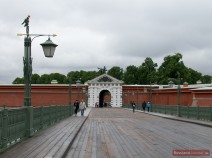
x=13, y=95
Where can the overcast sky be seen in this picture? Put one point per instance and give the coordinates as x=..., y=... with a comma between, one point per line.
x=97, y=33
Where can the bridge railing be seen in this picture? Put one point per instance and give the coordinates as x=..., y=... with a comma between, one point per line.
x=198, y=112
x=13, y=122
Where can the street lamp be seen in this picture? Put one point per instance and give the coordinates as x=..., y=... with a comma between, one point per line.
x=69, y=92
x=78, y=82
x=84, y=95
x=48, y=48
x=178, y=94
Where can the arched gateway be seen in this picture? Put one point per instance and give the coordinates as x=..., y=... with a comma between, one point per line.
x=105, y=90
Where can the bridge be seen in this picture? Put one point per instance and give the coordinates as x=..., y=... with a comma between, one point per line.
x=116, y=132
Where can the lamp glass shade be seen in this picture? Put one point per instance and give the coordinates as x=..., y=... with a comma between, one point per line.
x=78, y=82
x=48, y=48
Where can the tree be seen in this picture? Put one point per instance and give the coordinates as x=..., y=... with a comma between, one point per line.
x=131, y=75
x=206, y=79
x=57, y=76
x=88, y=75
x=116, y=72
x=170, y=67
x=147, y=72
x=45, y=79
x=35, y=79
x=18, y=80
x=192, y=76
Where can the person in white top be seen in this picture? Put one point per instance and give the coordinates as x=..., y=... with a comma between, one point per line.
x=82, y=107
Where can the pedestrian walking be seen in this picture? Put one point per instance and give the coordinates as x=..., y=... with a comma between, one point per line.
x=144, y=106
x=76, y=107
x=148, y=105
x=133, y=106
x=82, y=107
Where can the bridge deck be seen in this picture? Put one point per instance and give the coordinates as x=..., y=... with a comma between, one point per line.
x=114, y=133
x=123, y=134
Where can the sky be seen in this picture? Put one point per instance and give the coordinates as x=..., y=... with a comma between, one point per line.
x=98, y=33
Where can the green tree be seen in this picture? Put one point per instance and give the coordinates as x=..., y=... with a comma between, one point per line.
x=74, y=75
x=192, y=76
x=147, y=72
x=116, y=72
x=35, y=79
x=18, y=80
x=45, y=79
x=57, y=76
x=206, y=79
x=170, y=67
x=131, y=75
x=88, y=75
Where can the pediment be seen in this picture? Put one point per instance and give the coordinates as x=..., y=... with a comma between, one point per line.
x=105, y=78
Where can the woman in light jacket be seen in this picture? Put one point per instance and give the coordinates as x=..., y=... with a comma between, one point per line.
x=82, y=107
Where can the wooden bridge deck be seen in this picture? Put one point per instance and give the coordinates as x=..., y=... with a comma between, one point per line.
x=115, y=133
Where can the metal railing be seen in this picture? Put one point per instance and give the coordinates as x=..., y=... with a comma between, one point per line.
x=13, y=122
x=198, y=112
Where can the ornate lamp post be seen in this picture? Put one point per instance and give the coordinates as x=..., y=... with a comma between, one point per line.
x=69, y=100
x=178, y=94
x=84, y=91
x=78, y=82
x=48, y=48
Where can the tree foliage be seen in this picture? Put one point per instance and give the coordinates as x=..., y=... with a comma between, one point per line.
x=172, y=68
x=116, y=72
x=147, y=72
x=131, y=75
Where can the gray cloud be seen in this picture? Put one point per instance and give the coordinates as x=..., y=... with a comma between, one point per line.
x=94, y=33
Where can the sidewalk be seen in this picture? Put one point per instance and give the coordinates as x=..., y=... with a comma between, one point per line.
x=171, y=117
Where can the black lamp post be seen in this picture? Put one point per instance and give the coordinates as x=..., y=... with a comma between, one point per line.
x=178, y=94
x=84, y=91
x=78, y=82
x=48, y=48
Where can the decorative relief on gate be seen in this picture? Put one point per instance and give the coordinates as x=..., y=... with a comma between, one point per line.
x=105, y=79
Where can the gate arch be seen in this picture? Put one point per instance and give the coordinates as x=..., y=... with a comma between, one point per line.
x=105, y=98
x=102, y=85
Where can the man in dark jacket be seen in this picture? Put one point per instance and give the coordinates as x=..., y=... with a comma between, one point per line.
x=144, y=106
x=76, y=107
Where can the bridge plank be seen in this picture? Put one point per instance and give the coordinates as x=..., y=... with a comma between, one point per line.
x=119, y=133
x=115, y=133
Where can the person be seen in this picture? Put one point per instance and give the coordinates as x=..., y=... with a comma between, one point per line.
x=82, y=107
x=76, y=107
x=148, y=105
x=133, y=106
x=144, y=106
x=96, y=105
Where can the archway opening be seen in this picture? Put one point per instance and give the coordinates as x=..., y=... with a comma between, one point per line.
x=105, y=98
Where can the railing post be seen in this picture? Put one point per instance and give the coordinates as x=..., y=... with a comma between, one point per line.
x=178, y=110
x=29, y=121
x=71, y=110
x=188, y=113
x=5, y=128
x=41, y=117
x=49, y=113
x=210, y=113
x=198, y=112
x=165, y=109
